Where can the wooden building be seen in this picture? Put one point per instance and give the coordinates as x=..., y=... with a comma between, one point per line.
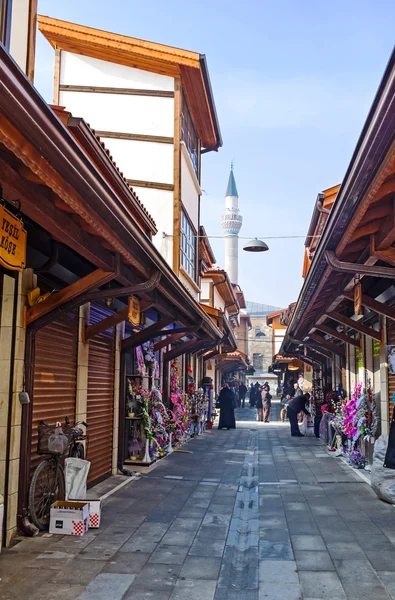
x=344, y=317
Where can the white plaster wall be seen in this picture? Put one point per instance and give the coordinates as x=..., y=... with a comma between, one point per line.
x=145, y=161
x=189, y=195
x=159, y=204
x=143, y=115
x=19, y=32
x=278, y=339
x=187, y=284
x=218, y=300
x=205, y=287
x=84, y=70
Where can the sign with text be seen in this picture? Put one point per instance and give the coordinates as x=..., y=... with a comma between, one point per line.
x=12, y=241
x=134, y=311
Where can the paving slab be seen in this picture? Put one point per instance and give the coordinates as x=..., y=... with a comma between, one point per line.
x=272, y=517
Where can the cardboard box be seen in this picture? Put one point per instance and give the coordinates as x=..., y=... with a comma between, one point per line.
x=94, y=512
x=69, y=518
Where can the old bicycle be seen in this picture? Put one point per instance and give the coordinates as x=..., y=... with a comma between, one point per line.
x=48, y=481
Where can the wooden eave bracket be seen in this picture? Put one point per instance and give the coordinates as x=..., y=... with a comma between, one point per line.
x=335, y=316
x=357, y=269
x=326, y=344
x=89, y=331
x=374, y=305
x=336, y=334
x=154, y=330
x=190, y=347
x=71, y=292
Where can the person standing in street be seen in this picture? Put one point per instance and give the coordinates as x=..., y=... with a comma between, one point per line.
x=295, y=406
x=242, y=394
x=259, y=405
x=227, y=411
x=266, y=402
x=252, y=396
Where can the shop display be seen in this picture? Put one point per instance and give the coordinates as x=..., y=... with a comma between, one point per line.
x=153, y=428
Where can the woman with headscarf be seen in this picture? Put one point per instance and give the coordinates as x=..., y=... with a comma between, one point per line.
x=227, y=411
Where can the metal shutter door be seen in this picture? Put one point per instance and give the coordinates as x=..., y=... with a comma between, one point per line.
x=55, y=375
x=100, y=415
x=391, y=378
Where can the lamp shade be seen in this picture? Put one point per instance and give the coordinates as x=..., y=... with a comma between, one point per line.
x=256, y=246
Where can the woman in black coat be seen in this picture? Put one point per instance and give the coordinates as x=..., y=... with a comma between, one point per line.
x=227, y=413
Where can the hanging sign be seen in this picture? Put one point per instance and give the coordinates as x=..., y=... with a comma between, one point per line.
x=134, y=311
x=358, y=299
x=12, y=241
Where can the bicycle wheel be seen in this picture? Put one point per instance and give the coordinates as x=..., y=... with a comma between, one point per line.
x=46, y=487
x=78, y=451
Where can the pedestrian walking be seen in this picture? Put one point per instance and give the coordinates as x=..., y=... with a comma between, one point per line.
x=227, y=411
x=259, y=405
x=284, y=406
x=295, y=406
x=266, y=402
x=242, y=394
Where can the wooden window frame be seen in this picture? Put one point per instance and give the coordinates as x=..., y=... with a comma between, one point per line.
x=185, y=261
x=190, y=136
x=5, y=22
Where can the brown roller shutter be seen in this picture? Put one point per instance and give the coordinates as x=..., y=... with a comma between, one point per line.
x=55, y=375
x=391, y=378
x=100, y=415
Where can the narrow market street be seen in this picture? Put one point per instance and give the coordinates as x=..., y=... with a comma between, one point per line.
x=250, y=514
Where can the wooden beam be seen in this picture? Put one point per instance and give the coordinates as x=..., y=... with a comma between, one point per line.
x=378, y=307
x=38, y=206
x=211, y=354
x=153, y=331
x=347, y=339
x=386, y=236
x=154, y=185
x=169, y=340
x=366, y=229
x=137, y=137
x=116, y=90
x=190, y=347
x=387, y=255
x=72, y=291
x=177, y=176
x=335, y=316
x=328, y=345
x=90, y=331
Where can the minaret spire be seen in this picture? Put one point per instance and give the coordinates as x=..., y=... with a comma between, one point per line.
x=231, y=224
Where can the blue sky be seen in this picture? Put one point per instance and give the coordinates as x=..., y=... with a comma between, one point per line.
x=293, y=82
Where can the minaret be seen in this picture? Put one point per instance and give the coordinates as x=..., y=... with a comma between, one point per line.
x=231, y=224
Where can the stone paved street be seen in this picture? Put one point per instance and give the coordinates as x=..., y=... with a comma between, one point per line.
x=251, y=514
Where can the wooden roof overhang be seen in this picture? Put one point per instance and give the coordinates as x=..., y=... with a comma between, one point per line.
x=357, y=241
x=229, y=341
x=62, y=190
x=225, y=289
x=148, y=56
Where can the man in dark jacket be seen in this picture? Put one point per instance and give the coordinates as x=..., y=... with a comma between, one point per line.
x=297, y=404
x=242, y=394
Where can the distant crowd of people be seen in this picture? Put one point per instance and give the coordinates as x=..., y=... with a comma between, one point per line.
x=293, y=404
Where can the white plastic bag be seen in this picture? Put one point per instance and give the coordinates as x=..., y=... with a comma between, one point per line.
x=76, y=475
x=308, y=426
x=382, y=479
x=58, y=441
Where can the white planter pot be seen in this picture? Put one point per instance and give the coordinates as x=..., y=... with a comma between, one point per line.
x=169, y=447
